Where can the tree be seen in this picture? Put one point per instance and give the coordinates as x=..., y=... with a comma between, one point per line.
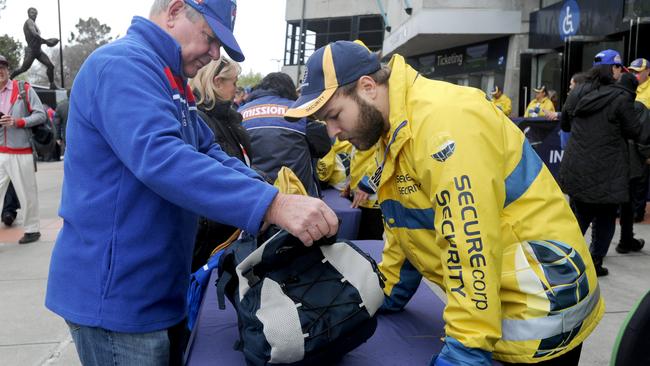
x=11, y=49
x=91, y=34
x=249, y=79
x=3, y=4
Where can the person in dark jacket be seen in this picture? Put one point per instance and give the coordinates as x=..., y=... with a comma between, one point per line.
x=214, y=87
x=10, y=206
x=61, y=122
x=594, y=172
x=639, y=154
x=279, y=143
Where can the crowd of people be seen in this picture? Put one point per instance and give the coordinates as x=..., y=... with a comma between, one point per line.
x=160, y=170
x=605, y=131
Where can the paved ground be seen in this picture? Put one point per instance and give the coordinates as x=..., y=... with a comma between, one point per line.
x=31, y=335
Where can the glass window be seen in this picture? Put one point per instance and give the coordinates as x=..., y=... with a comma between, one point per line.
x=318, y=25
x=637, y=8
x=370, y=23
x=338, y=25
x=547, y=71
x=373, y=40
x=319, y=32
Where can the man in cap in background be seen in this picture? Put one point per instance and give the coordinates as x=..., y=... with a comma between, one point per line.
x=541, y=103
x=467, y=203
x=634, y=210
x=139, y=169
x=641, y=68
x=501, y=100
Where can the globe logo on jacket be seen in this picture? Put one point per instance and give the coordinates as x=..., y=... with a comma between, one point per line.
x=445, y=148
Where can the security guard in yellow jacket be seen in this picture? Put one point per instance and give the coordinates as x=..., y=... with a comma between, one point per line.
x=541, y=103
x=641, y=68
x=501, y=100
x=467, y=204
x=348, y=169
x=364, y=196
x=334, y=167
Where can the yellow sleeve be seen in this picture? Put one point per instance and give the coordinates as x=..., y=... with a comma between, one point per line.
x=507, y=106
x=643, y=94
x=330, y=170
x=465, y=186
x=362, y=164
x=402, y=279
x=528, y=108
x=548, y=105
x=325, y=166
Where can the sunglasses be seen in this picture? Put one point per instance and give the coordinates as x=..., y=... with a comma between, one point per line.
x=224, y=62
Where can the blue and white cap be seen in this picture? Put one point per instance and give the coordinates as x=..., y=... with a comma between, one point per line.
x=640, y=64
x=608, y=57
x=331, y=66
x=220, y=15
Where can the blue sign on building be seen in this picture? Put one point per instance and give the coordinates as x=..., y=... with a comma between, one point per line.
x=569, y=20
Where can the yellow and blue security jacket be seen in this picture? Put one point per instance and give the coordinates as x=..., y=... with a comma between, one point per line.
x=503, y=103
x=643, y=93
x=536, y=109
x=362, y=166
x=469, y=205
x=334, y=167
x=331, y=170
x=345, y=165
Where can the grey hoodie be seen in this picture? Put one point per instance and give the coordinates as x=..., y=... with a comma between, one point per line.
x=16, y=139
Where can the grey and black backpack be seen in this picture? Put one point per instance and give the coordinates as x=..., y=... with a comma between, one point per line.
x=299, y=305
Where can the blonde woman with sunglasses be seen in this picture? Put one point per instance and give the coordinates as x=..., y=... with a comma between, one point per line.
x=214, y=87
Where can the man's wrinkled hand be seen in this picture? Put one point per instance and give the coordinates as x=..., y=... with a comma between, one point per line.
x=306, y=218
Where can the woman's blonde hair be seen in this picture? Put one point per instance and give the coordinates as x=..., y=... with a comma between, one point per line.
x=203, y=83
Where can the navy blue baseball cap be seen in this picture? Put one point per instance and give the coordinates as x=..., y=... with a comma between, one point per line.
x=220, y=15
x=640, y=64
x=608, y=57
x=331, y=66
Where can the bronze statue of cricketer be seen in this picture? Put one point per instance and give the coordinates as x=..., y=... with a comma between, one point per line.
x=33, y=50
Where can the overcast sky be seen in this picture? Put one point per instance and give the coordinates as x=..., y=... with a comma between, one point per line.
x=259, y=29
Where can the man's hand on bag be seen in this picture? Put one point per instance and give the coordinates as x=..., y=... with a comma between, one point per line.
x=7, y=121
x=306, y=218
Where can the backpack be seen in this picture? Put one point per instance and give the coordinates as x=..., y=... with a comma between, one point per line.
x=41, y=133
x=299, y=305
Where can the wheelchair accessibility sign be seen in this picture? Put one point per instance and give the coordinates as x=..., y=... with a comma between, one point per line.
x=569, y=20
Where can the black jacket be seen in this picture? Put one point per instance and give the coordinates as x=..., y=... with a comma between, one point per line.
x=61, y=119
x=639, y=152
x=225, y=123
x=595, y=165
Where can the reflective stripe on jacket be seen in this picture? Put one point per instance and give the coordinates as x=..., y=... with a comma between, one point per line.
x=469, y=205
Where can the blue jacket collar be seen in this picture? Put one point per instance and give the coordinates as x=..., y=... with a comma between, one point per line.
x=161, y=42
x=261, y=93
